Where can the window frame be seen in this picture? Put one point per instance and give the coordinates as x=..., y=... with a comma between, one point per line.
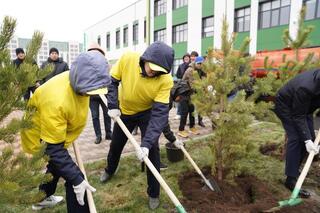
x=270, y=11
x=176, y=4
x=183, y=33
x=316, y=13
x=203, y=33
x=160, y=7
x=161, y=33
x=244, y=16
x=125, y=36
x=118, y=39
x=108, y=38
x=135, y=33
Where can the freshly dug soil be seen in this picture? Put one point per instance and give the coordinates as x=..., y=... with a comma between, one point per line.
x=248, y=195
x=273, y=150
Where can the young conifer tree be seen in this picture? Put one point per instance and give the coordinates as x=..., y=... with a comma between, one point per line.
x=20, y=174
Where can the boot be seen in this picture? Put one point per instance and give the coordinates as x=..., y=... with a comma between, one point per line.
x=290, y=184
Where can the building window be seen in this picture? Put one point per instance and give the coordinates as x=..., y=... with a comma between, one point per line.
x=135, y=32
x=274, y=13
x=180, y=33
x=118, y=38
x=207, y=26
x=312, y=9
x=160, y=35
x=179, y=3
x=108, y=41
x=99, y=40
x=125, y=36
x=175, y=66
x=242, y=20
x=160, y=7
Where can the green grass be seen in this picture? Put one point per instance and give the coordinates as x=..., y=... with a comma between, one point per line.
x=126, y=191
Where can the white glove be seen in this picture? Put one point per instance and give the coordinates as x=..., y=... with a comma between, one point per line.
x=113, y=113
x=80, y=189
x=210, y=88
x=311, y=147
x=142, y=152
x=178, y=144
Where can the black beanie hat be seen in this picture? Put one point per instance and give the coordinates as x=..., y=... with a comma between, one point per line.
x=194, y=53
x=53, y=49
x=19, y=50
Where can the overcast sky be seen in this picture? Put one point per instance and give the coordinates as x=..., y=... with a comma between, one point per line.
x=59, y=20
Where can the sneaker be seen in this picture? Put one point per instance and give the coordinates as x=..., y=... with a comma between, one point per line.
x=153, y=203
x=48, y=202
x=183, y=134
x=105, y=177
x=194, y=131
x=108, y=136
x=163, y=166
x=177, y=117
x=98, y=140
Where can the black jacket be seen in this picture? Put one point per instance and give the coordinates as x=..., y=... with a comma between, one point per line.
x=59, y=67
x=299, y=98
x=17, y=62
x=181, y=70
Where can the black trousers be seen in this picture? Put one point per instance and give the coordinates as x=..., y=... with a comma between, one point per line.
x=95, y=102
x=296, y=150
x=49, y=189
x=119, y=140
x=186, y=108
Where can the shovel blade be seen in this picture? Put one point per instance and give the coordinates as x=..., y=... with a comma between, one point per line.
x=213, y=185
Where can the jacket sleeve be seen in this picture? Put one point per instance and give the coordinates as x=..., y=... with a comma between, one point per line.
x=158, y=121
x=112, y=95
x=62, y=163
x=66, y=67
x=300, y=107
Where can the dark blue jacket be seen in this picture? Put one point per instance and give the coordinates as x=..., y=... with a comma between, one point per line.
x=59, y=67
x=299, y=98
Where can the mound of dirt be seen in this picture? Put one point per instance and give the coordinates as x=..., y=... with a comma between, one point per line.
x=248, y=195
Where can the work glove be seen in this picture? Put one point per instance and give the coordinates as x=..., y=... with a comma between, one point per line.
x=178, y=144
x=113, y=113
x=80, y=190
x=142, y=152
x=311, y=147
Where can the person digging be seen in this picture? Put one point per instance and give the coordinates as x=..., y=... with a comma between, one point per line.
x=61, y=108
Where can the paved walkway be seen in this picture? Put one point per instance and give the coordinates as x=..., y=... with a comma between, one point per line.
x=91, y=151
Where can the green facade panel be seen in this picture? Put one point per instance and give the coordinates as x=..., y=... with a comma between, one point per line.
x=180, y=15
x=160, y=22
x=239, y=39
x=179, y=49
x=241, y=3
x=271, y=38
x=314, y=39
x=206, y=43
x=207, y=8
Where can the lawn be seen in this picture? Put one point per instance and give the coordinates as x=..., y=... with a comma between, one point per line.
x=126, y=192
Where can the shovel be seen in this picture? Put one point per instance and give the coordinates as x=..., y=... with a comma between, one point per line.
x=294, y=199
x=92, y=207
x=212, y=184
x=146, y=160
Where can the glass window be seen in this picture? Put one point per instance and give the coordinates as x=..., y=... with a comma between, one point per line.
x=312, y=9
x=99, y=40
x=118, y=38
x=125, y=36
x=274, y=13
x=145, y=29
x=160, y=7
x=242, y=20
x=108, y=41
x=180, y=33
x=179, y=3
x=207, y=26
x=160, y=35
x=135, y=33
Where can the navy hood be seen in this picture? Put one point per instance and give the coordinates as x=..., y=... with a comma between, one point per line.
x=90, y=71
x=160, y=54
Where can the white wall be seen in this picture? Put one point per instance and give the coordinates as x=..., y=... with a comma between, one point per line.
x=137, y=11
x=194, y=25
x=295, y=8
